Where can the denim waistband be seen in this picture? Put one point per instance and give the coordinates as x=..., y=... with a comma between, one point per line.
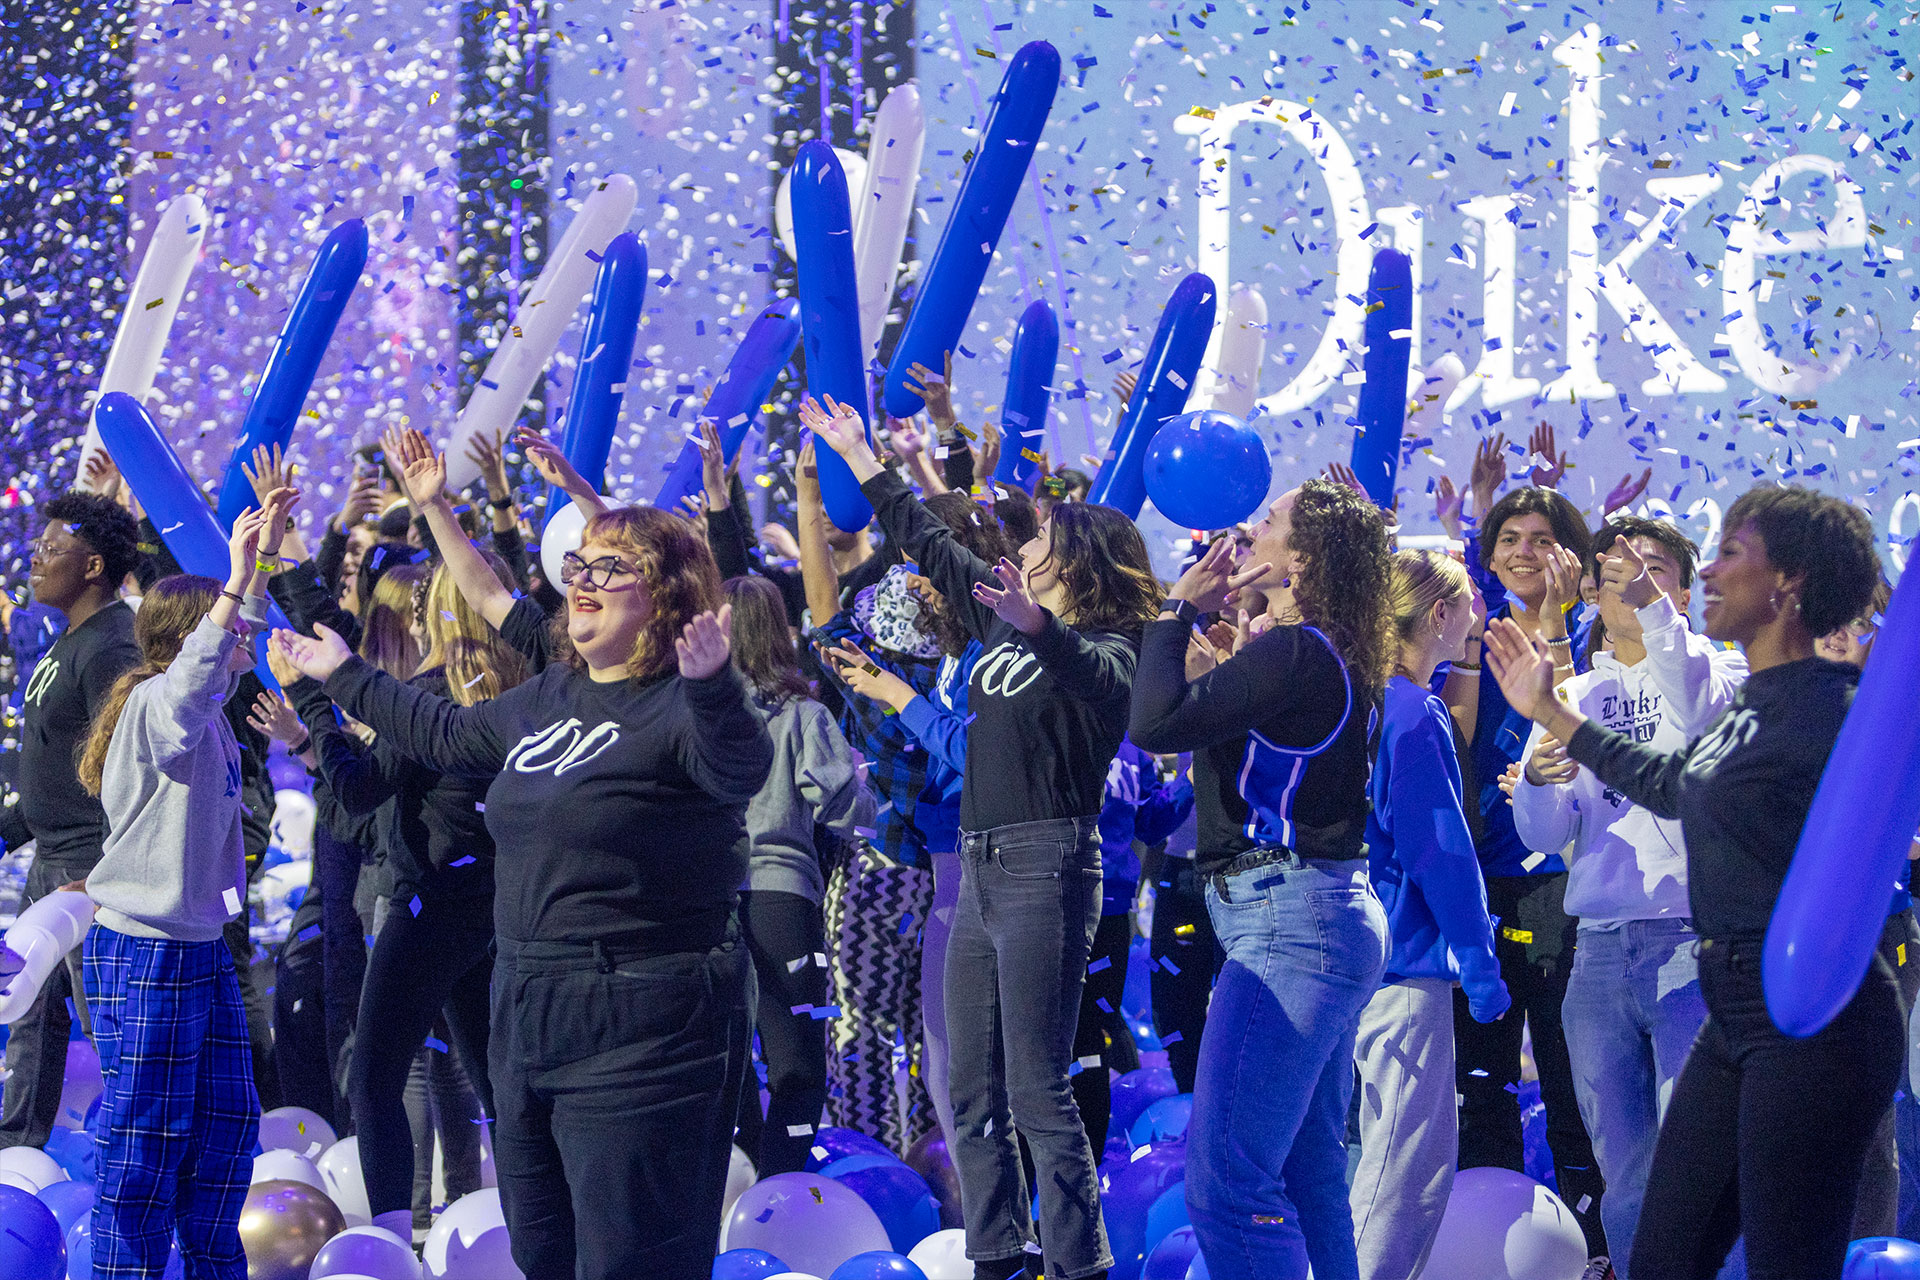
x=1024, y=832
x=1277, y=858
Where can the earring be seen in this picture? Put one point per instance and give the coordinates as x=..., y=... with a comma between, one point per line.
x=1286, y=582
x=1773, y=601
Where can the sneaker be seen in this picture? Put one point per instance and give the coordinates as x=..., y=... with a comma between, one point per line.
x=1598, y=1269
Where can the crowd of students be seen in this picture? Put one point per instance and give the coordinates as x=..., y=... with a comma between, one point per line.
x=860, y=825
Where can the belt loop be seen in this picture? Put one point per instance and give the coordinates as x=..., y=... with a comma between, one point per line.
x=601, y=960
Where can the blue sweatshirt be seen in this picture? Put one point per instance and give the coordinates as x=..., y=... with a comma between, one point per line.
x=1420, y=854
x=939, y=724
x=1136, y=807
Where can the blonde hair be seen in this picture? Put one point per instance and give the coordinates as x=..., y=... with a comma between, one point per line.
x=680, y=576
x=169, y=612
x=1421, y=581
x=386, y=626
x=478, y=663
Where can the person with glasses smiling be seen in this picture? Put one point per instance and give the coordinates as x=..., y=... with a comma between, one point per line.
x=84, y=553
x=620, y=1012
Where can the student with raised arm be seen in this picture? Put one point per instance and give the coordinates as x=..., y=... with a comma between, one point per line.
x=620, y=992
x=1049, y=700
x=1765, y=1135
x=178, y=1108
x=1633, y=1003
x=1278, y=733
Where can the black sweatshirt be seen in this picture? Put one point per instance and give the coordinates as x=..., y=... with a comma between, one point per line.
x=436, y=837
x=1741, y=790
x=1279, y=742
x=61, y=700
x=1047, y=711
x=618, y=808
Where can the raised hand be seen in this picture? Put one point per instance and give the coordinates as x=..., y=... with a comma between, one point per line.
x=1124, y=384
x=904, y=435
x=1342, y=474
x=1524, y=667
x=277, y=508
x=422, y=468
x=318, y=655
x=1446, y=505
x=1622, y=570
x=1549, y=464
x=102, y=476
x=989, y=459
x=1624, y=493
x=1562, y=572
x=839, y=426
x=935, y=389
x=270, y=469
x=243, y=546
x=693, y=508
x=274, y=716
x=1212, y=582
x=713, y=464
x=705, y=644
x=363, y=495
x=489, y=455
x=1489, y=473
x=1011, y=601
x=806, y=475
x=1549, y=765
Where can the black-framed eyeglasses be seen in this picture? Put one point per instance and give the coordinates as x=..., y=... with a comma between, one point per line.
x=595, y=575
x=46, y=550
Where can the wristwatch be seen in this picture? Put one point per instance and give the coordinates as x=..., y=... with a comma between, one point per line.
x=1186, y=611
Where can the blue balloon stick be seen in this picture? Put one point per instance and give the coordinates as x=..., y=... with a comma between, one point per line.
x=1166, y=379
x=606, y=359
x=737, y=397
x=830, y=316
x=1023, y=419
x=1383, y=395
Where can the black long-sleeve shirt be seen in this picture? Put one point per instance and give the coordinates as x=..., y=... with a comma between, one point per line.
x=55, y=716
x=1049, y=710
x=1741, y=790
x=435, y=831
x=1279, y=742
x=617, y=808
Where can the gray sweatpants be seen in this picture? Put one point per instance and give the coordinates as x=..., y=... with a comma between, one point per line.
x=1409, y=1126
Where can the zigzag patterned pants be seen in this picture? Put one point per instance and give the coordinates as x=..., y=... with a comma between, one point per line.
x=876, y=910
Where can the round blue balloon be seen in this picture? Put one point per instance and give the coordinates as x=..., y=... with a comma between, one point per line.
x=1128, y=1193
x=747, y=1264
x=1135, y=1091
x=1197, y=1269
x=1208, y=470
x=73, y=1150
x=898, y=1196
x=1882, y=1258
x=830, y=1144
x=32, y=1246
x=878, y=1266
x=1163, y=1120
x=1168, y=1215
x=79, y=1245
x=69, y=1201
x=1169, y=1259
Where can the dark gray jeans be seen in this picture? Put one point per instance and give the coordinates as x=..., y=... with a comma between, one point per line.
x=1029, y=904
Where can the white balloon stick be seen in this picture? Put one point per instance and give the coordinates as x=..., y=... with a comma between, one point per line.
x=134, y=360
x=41, y=938
x=1232, y=385
x=542, y=319
x=884, y=206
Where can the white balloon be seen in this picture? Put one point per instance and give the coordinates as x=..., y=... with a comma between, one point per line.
x=370, y=1251
x=295, y=1129
x=469, y=1241
x=341, y=1179
x=852, y=164
x=279, y=1163
x=294, y=815
x=883, y=206
x=34, y=1168
x=1502, y=1225
x=794, y=1275
x=563, y=534
x=82, y=1086
x=943, y=1255
x=41, y=938
x=740, y=1175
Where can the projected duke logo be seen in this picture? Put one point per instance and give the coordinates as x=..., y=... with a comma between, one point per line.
x=561, y=747
x=1590, y=281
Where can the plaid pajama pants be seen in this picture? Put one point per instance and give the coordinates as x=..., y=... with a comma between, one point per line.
x=179, y=1115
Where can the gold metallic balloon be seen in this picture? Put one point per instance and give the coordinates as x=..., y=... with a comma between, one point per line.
x=282, y=1226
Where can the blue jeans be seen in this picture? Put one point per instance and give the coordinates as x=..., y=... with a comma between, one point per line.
x=1632, y=1010
x=1306, y=944
x=1029, y=904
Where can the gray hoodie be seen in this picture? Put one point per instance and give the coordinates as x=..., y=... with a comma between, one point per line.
x=813, y=780
x=174, y=864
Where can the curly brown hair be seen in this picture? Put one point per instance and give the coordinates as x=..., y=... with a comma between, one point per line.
x=1104, y=568
x=1344, y=586
x=679, y=573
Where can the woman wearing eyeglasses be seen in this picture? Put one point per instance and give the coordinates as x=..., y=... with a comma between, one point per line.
x=620, y=1012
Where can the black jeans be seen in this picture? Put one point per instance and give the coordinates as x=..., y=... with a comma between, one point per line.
x=1767, y=1135
x=443, y=1105
x=343, y=941
x=300, y=1017
x=37, y=1042
x=1877, y=1212
x=784, y=933
x=1100, y=1021
x=253, y=994
x=421, y=963
x=617, y=1080
x=1187, y=959
x=1029, y=905
x=1534, y=943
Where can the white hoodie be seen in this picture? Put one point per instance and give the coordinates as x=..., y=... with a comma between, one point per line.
x=1622, y=862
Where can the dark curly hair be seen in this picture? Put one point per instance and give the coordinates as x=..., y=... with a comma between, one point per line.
x=679, y=572
x=1104, y=568
x=1823, y=541
x=1345, y=585
x=1568, y=525
x=975, y=529
x=104, y=526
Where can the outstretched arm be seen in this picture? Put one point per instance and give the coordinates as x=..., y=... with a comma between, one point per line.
x=424, y=473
